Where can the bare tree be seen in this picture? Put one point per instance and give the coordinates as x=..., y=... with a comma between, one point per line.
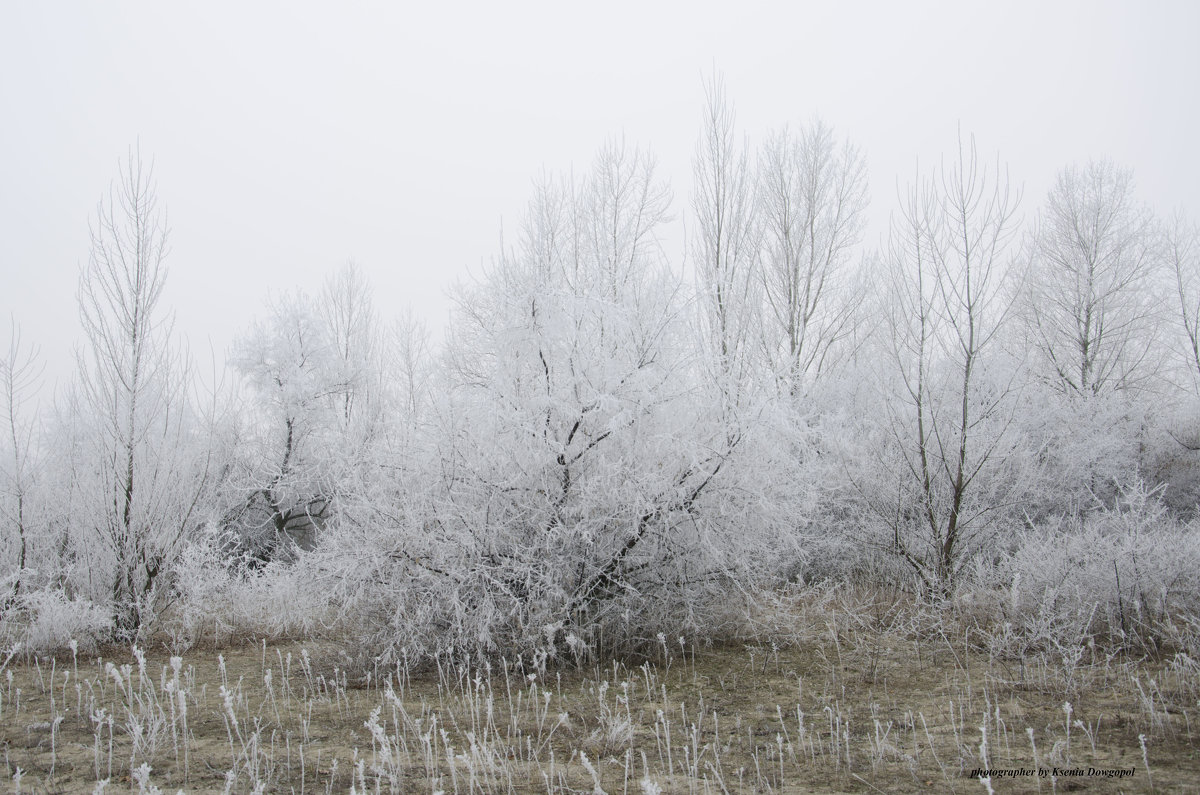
x=947, y=258
x=550, y=230
x=348, y=311
x=619, y=210
x=1092, y=303
x=726, y=244
x=20, y=372
x=812, y=196
x=409, y=351
x=135, y=389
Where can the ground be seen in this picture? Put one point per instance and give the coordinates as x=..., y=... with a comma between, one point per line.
x=838, y=705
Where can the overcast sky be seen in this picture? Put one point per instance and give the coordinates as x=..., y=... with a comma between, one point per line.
x=291, y=137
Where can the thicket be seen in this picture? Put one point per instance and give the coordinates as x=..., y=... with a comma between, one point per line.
x=610, y=443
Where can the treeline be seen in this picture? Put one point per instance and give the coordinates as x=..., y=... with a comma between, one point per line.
x=610, y=445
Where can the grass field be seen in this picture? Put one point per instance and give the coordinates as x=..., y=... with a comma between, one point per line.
x=842, y=701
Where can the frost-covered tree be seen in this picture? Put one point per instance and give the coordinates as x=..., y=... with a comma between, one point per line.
x=935, y=473
x=283, y=483
x=20, y=371
x=144, y=480
x=572, y=468
x=726, y=243
x=1093, y=300
x=349, y=313
x=812, y=197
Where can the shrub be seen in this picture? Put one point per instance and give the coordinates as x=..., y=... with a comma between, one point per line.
x=47, y=620
x=1120, y=575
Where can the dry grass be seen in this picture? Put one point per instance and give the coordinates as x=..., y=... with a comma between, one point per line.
x=821, y=698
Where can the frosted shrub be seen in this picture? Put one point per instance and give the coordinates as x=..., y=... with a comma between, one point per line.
x=49, y=620
x=418, y=592
x=202, y=585
x=215, y=601
x=1119, y=574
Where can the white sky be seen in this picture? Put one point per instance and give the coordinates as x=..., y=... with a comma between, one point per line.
x=291, y=137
